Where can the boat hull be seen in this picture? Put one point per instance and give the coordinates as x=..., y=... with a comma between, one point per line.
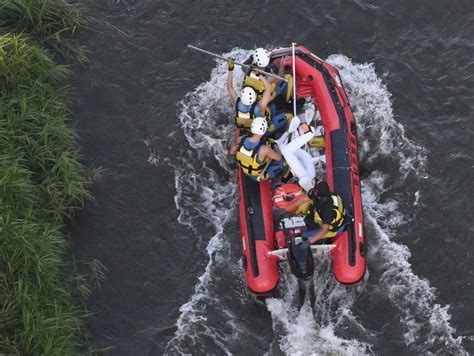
x=319, y=80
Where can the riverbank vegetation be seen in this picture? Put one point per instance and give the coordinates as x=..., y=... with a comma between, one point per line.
x=42, y=180
x=49, y=23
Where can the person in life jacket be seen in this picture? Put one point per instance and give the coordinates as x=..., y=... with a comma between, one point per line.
x=247, y=106
x=281, y=91
x=257, y=159
x=326, y=217
x=261, y=59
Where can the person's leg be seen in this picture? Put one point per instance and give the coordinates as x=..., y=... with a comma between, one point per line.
x=329, y=235
x=273, y=109
x=275, y=168
x=340, y=230
x=277, y=125
x=309, y=233
x=282, y=88
x=280, y=121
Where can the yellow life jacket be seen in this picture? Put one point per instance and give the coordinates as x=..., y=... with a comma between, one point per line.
x=243, y=118
x=247, y=159
x=252, y=80
x=313, y=218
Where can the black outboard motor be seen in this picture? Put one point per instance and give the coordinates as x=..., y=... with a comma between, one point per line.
x=300, y=258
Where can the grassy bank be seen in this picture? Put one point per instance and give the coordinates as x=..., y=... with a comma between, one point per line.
x=41, y=179
x=49, y=23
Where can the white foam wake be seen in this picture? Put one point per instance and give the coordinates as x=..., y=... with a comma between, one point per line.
x=380, y=134
x=206, y=117
x=318, y=330
x=425, y=323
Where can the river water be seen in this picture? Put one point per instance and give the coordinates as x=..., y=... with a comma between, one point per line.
x=157, y=118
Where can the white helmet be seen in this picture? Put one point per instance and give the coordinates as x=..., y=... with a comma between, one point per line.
x=248, y=96
x=261, y=57
x=259, y=126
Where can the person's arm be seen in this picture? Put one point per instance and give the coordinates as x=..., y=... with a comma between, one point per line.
x=230, y=81
x=297, y=203
x=320, y=234
x=267, y=95
x=327, y=215
x=233, y=149
x=275, y=147
x=270, y=153
x=281, y=69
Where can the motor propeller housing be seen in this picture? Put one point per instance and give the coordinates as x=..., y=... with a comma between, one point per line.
x=300, y=258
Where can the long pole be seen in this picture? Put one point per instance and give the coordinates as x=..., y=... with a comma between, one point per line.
x=261, y=175
x=294, y=77
x=239, y=64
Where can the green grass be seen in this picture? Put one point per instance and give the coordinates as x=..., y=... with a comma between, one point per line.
x=51, y=23
x=41, y=180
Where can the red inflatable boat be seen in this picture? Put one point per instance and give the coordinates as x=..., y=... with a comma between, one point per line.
x=318, y=81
